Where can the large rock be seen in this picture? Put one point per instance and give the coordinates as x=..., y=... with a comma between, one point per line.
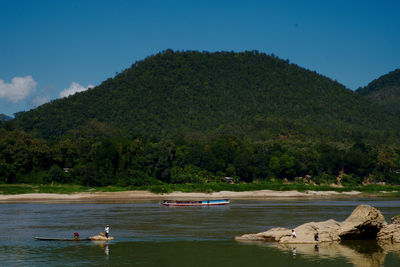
x=396, y=219
x=364, y=223
x=390, y=233
x=275, y=234
x=305, y=233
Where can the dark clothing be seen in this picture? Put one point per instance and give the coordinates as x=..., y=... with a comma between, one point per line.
x=107, y=230
x=316, y=237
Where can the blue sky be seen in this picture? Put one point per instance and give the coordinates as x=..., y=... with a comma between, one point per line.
x=53, y=48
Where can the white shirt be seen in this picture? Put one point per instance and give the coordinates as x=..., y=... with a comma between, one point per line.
x=107, y=229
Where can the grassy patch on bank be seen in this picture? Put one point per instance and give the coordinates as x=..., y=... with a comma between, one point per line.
x=216, y=187
x=12, y=189
x=9, y=189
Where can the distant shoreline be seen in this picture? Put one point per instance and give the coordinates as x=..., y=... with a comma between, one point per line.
x=146, y=195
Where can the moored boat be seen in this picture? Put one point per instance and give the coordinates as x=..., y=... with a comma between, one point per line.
x=90, y=238
x=214, y=202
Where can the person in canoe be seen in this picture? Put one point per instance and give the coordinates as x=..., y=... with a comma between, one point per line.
x=107, y=230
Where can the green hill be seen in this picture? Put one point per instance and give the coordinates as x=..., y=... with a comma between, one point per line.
x=250, y=94
x=385, y=90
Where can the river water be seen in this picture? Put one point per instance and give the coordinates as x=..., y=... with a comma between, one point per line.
x=148, y=234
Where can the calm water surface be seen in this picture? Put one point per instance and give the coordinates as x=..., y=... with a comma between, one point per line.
x=148, y=234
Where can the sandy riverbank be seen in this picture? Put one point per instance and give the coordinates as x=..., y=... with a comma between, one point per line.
x=145, y=195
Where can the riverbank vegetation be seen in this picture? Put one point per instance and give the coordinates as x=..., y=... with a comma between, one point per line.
x=89, y=157
x=382, y=190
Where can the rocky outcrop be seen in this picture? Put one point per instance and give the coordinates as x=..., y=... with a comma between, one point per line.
x=272, y=235
x=306, y=232
x=365, y=222
x=396, y=219
x=390, y=232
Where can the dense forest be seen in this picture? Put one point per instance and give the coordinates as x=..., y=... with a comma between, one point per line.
x=196, y=117
x=250, y=95
x=95, y=155
x=385, y=90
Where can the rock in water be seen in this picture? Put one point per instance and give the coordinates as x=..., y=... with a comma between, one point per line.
x=396, y=219
x=364, y=223
x=273, y=235
x=305, y=233
x=391, y=232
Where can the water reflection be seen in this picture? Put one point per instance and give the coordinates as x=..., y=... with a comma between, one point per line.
x=362, y=253
x=104, y=246
x=107, y=251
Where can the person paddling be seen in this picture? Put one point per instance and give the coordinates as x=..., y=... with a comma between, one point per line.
x=107, y=230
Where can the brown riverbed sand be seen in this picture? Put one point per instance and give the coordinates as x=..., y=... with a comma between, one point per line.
x=145, y=195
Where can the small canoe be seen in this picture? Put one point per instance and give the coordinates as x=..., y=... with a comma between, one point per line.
x=215, y=202
x=60, y=239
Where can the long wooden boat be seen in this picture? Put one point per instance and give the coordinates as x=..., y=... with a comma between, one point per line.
x=60, y=239
x=215, y=202
x=90, y=238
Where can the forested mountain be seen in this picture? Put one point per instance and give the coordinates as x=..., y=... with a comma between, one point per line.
x=250, y=94
x=195, y=117
x=384, y=90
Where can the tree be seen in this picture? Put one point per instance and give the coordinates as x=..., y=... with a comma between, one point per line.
x=55, y=174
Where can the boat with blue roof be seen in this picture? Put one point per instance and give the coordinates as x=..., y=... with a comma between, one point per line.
x=213, y=202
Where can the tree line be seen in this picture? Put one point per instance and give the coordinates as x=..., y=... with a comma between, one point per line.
x=96, y=155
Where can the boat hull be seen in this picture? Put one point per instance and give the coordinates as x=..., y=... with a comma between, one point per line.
x=61, y=239
x=218, y=202
x=91, y=238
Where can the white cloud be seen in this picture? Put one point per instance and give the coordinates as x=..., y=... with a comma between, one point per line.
x=18, y=89
x=74, y=88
